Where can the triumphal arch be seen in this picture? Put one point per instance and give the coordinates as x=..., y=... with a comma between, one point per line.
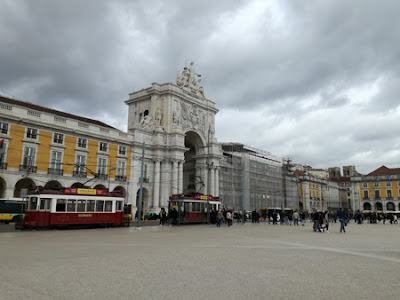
x=176, y=125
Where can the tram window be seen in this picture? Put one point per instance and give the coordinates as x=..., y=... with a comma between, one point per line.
x=90, y=205
x=71, y=205
x=44, y=203
x=33, y=203
x=188, y=207
x=108, y=206
x=81, y=205
x=99, y=205
x=60, y=205
x=119, y=205
x=196, y=207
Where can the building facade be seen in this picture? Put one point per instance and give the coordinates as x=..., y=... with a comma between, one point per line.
x=53, y=149
x=377, y=191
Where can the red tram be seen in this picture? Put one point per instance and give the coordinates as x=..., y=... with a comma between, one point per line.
x=74, y=207
x=193, y=209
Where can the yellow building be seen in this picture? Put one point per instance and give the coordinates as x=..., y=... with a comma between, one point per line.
x=377, y=191
x=53, y=149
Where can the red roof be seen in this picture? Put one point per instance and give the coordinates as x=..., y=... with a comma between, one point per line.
x=52, y=111
x=384, y=171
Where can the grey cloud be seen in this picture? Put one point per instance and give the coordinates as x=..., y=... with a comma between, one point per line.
x=80, y=56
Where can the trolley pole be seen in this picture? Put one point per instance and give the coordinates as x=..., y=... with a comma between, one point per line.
x=139, y=215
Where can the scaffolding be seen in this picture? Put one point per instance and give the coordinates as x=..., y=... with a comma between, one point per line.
x=256, y=175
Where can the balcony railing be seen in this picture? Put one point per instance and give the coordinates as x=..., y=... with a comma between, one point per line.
x=80, y=174
x=145, y=180
x=120, y=178
x=26, y=168
x=3, y=166
x=101, y=176
x=53, y=171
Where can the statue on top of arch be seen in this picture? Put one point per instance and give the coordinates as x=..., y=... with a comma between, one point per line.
x=188, y=80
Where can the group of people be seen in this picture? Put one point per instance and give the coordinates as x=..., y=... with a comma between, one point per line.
x=173, y=216
x=374, y=217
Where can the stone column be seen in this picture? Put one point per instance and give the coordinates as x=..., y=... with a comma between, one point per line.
x=212, y=181
x=180, y=177
x=204, y=175
x=217, y=182
x=174, y=176
x=156, y=185
x=197, y=177
x=165, y=183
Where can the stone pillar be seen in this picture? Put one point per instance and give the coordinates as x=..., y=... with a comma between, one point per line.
x=180, y=177
x=212, y=181
x=165, y=183
x=204, y=175
x=134, y=180
x=217, y=182
x=197, y=177
x=156, y=185
x=174, y=176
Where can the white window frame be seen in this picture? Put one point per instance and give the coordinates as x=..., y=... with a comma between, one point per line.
x=102, y=168
x=58, y=138
x=30, y=132
x=79, y=166
x=122, y=150
x=32, y=156
x=121, y=168
x=105, y=145
x=4, y=128
x=80, y=144
x=56, y=160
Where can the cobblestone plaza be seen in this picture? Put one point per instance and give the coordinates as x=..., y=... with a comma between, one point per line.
x=257, y=261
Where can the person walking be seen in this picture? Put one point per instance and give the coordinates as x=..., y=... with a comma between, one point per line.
x=303, y=218
x=220, y=218
x=229, y=218
x=316, y=221
x=163, y=216
x=327, y=221
x=296, y=218
x=341, y=216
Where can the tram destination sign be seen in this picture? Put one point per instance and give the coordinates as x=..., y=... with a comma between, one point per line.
x=79, y=191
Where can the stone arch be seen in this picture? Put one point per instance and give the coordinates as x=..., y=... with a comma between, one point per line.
x=3, y=187
x=78, y=185
x=120, y=189
x=301, y=205
x=194, y=181
x=100, y=187
x=52, y=185
x=25, y=183
x=367, y=206
x=390, y=206
x=378, y=206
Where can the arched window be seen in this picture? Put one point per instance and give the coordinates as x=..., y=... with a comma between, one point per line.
x=390, y=206
x=378, y=206
x=367, y=206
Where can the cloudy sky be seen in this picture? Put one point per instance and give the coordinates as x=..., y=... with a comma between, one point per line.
x=316, y=81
